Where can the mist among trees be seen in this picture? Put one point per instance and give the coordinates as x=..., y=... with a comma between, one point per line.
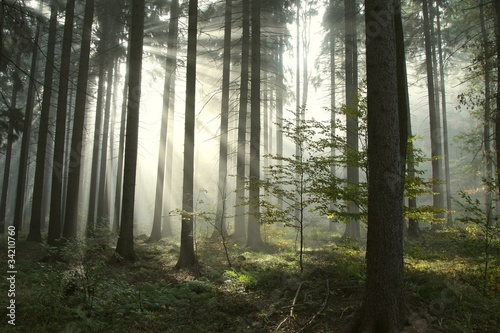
x=250, y=166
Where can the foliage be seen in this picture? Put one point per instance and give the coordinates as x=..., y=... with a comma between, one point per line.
x=482, y=224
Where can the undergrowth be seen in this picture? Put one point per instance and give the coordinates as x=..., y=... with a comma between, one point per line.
x=262, y=291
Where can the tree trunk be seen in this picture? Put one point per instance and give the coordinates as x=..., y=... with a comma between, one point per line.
x=220, y=219
x=435, y=126
x=382, y=309
x=25, y=143
x=156, y=232
x=333, y=93
x=119, y=168
x=254, y=239
x=351, y=91
x=449, y=219
x=406, y=146
x=497, y=116
x=71, y=218
x=187, y=256
x=38, y=186
x=125, y=245
x=103, y=201
x=93, y=194
x=240, y=219
x=488, y=165
x=55, y=221
x=16, y=88
x=280, y=88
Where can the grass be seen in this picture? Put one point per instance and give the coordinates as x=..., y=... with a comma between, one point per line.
x=263, y=290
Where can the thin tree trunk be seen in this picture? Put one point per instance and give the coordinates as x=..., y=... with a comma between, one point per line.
x=254, y=239
x=125, y=244
x=71, y=219
x=220, y=219
x=435, y=126
x=240, y=219
x=497, y=120
x=156, y=232
x=38, y=186
x=62, y=105
x=103, y=201
x=187, y=256
x=16, y=88
x=119, y=167
x=488, y=166
x=351, y=68
x=279, y=106
x=93, y=194
x=449, y=220
x=333, y=93
x=25, y=141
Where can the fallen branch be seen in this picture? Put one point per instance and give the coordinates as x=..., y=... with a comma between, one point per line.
x=321, y=309
x=291, y=308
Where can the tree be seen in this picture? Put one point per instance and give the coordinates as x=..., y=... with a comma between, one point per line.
x=59, y=141
x=382, y=309
x=125, y=244
x=220, y=220
x=156, y=232
x=25, y=143
x=351, y=91
x=187, y=256
x=73, y=185
x=253, y=229
x=239, y=220
x=39, y=186
x=435, y=126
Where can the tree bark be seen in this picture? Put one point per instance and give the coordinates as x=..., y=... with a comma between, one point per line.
x=38, y=186
x=187, y=256
x=382, y=309
x=254, y=239
x=240, y=219
x=71, y=219
x=351, y=91
x=435, y=126
x=156, y=232
x=25, y=141
x=220, y=219
x=55, y=221
x=125, y=245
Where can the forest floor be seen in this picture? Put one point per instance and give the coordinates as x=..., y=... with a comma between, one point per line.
x=261, y=291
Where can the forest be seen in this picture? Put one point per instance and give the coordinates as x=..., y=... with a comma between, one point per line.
x=250, y=166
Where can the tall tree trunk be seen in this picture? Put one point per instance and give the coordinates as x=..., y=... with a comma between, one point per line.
x=240, y=219
x=38, y=186
x=406, y=146
x=103, y=201
x=71, y=218
x=280, y=88
x=435, y=126
x=93, y=194
x=187, y=256
x=119, y=168
x=497, y=116
x=298, y=109
x=351, y=91
x=254, y=239
x=62, y=108
x=449, y=215
x=488, y=166
x=382, y=309
x=125, y=245
x=333, y=93
x=16, y=88
x=156, y=232
x=25, y=141
x=220, y=219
